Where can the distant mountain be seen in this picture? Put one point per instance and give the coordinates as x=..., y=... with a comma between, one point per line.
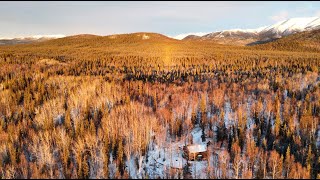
x=288, y=27
x=82, y=36
x=157, y=48
x=140, y=36
x=181, y=36
x=262, y=34
x=28, y=39
x=88, y=45
x=301, y=41
x=192, y=37
x=131, y=37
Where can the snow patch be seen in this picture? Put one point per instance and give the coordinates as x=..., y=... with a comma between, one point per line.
x=196, y=135
x=113, y=37
x=145, y=37
x=199, y=169
x=59, y=119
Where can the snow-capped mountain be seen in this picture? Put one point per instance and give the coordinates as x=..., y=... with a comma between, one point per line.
x=181, y=36
x=261, y=34
x=28, y=39
x=55, y=36
x=294, y=24
x=289, y=26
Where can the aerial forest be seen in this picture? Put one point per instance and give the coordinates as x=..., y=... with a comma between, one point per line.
x=125, y=106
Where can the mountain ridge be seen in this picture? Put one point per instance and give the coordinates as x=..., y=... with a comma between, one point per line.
x=29, y=39
x=241, y=37
x=262, y=34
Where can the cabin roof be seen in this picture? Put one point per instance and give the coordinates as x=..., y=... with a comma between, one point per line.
x=197, y=148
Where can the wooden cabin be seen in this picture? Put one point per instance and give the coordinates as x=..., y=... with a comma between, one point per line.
x=196, y=152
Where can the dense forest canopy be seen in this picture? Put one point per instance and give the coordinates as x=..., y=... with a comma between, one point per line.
x=121, y=106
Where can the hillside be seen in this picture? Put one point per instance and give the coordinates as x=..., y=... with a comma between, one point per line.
x=120, y=45
x=149, y=48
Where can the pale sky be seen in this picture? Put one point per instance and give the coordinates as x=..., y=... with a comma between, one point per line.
x=168, y=18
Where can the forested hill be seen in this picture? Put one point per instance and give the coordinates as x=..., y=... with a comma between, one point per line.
x=158, y=49
x=154, y=47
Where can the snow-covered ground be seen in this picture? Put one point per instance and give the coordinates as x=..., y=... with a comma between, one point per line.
x=132, y=169
x=199, y=169
x=249, y=119
x=196, y=135
x=161, y=159
x=318, y=137
x=164, y=157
